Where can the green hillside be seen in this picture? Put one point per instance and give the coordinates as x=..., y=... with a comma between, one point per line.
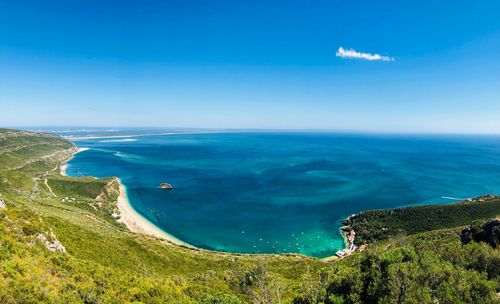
x=59, y=243
x=373, y=225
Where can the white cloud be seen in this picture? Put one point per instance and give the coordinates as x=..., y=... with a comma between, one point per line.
x=351, y=53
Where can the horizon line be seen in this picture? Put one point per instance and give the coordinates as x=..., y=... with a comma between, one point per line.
x=219, y=129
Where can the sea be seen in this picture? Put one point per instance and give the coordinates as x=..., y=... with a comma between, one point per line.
x=286, y=191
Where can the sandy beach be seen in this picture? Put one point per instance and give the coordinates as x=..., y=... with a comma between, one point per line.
x=137, y=223
x=64, y=166
x=131, y=218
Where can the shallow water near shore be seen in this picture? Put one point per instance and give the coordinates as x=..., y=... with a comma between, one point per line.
x=285, y=192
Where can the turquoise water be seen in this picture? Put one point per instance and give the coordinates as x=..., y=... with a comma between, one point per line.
x=285, y=192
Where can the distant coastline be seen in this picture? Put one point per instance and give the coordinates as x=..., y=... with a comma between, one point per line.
x=71, y=137
x=84, y=137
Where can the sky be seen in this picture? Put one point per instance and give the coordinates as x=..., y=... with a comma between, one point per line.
x=379, y=66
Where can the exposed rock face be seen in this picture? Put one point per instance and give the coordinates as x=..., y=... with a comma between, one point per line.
x=166, y=186
x=488, y=232
x=53, y=246
x=110, y=190
x=2, y=204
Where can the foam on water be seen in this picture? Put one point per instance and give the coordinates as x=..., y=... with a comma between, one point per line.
x=119, y=140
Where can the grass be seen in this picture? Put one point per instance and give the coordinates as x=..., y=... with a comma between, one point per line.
x=86, y=187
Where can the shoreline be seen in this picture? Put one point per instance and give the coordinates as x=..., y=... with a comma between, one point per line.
x=64, y=166
x=134, y=221
x=137, y=223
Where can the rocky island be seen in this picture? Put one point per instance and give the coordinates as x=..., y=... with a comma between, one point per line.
x=166, y=186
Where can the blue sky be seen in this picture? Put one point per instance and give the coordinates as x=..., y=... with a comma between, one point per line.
x=253, y=64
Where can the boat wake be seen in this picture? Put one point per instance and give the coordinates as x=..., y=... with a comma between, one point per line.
x=453, y=198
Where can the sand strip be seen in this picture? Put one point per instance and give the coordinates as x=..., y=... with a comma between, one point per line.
x=135, y=222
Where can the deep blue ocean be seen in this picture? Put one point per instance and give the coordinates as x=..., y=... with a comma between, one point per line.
x=277, y=192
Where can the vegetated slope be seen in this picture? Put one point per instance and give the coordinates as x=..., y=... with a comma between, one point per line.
x=104, y=262
x=59, y=243
x=429, y=267
x=373, y=225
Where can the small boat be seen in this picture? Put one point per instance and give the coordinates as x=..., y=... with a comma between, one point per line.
x=166, y=186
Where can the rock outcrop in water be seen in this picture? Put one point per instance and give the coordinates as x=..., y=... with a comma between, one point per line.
x=166, y=186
